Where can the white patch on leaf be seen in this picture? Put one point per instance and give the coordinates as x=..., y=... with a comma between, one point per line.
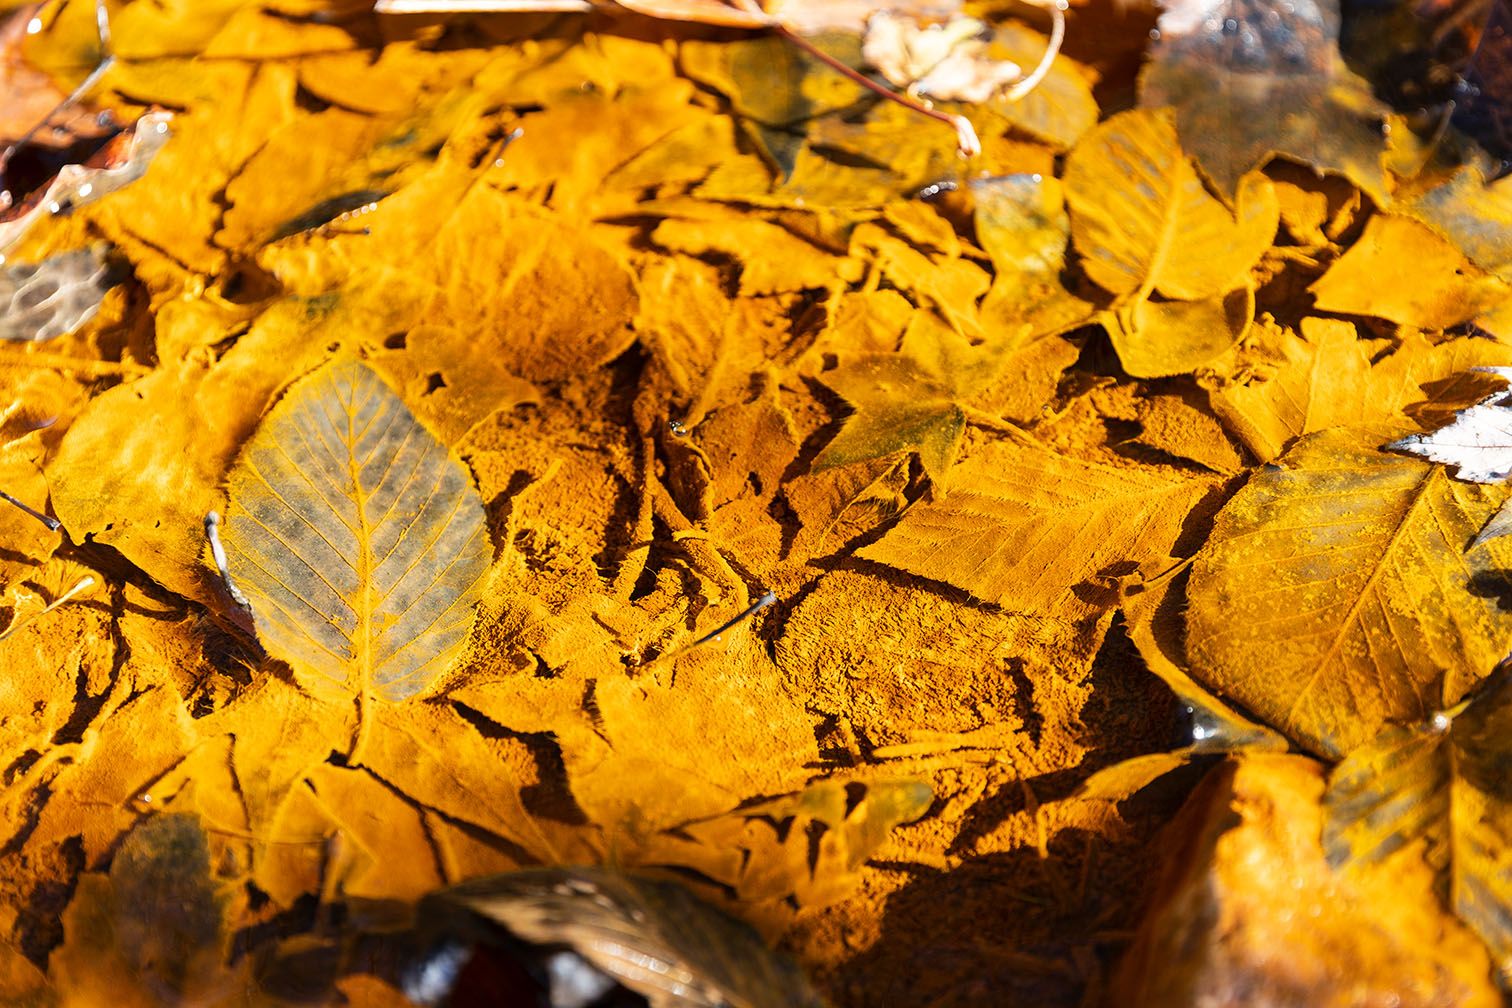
x=947, y=60
x=1478, y=443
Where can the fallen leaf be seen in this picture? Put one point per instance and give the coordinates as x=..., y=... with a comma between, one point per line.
x=1400, y=270
x=1022, y=224
x=651, y=936
x=1478, y=443
x=1248, y=82
x=359, y=543
x=1369, y=608
x=1441, y=781
x=1159, y=338
x=1142, y=221
x=1033, y=531
x=946, y=60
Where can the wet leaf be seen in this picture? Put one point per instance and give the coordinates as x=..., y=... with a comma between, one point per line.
x=1336, y=592
x=653, y=937
x=1246, y=82
x=359, y=543
x=1022, y=223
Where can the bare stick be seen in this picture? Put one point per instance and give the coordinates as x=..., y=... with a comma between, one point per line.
x=966, y=138
x=51, y=523
x=752, y=610
x=218, y=554
x=1057, y=36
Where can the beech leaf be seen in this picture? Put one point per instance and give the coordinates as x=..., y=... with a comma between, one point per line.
x=1026, y=528
x=1335, y=593
x=358, y=540
x=1143, y=222
x=1443, y=780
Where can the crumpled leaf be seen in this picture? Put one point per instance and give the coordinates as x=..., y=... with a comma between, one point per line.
x=1335, y=593
x=1443, y=781
x=1032, y=531
x=1248, y=81
x=1478, y=443
x=653, y=937
x=359, y=543
x=39, y=301
x=948, y=60
x=1400, y=270
x=1329, y=377
x=1142, y=221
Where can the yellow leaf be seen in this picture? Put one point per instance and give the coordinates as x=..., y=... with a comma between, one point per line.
x=1143, y=222
x=1402, y=271
x=1022, y=224
x=1033, y=531
x=1159, y=338
x=1442, y=781
x=1336, y=594
x=358, y=541
x=1329, y=378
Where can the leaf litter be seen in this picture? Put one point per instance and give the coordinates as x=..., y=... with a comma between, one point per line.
x=623, y=464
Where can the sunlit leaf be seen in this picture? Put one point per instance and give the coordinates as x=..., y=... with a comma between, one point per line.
x=1402, y=271
x=1021, y=222
x=1028, y=529
x=1159, y=338
x=1142, y=221
x=1335, y=593
x=359, y=542
x=1442, y=781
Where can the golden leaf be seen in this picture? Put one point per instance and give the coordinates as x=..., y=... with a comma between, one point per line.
x=1022, y=224
x=1335, y=593
x=1443, y=781
x=1402, y=271
x=1328, y=377
x=359, y=543
x=1159, y=338
x=1142, y=221
x=1032, y=530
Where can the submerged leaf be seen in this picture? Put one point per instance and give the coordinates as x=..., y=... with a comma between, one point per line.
x=359, y=542
x=1335, y=593
x=1251, y=80
x=653, y=937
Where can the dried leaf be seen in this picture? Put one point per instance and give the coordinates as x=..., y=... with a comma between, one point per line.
x=1478, y=443
x=1442, y=781
x=947, y=60
x=1022, y=224
x=1033, y=531
x=1402, y=271
x=359, y=543
x=1159, y=338
x=1335, y=593
x=1142, y=221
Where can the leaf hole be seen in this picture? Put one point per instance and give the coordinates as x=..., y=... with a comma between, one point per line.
x=434, y=382
x=396, y=341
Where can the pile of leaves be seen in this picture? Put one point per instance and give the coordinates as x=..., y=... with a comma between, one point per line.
x=517, y=355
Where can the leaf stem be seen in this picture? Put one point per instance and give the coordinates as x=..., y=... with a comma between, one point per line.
x=966, y=138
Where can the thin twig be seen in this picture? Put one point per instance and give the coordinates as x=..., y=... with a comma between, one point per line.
x=751, y=610
x=1057, y=10
x=966, y=138
x=52, y=523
